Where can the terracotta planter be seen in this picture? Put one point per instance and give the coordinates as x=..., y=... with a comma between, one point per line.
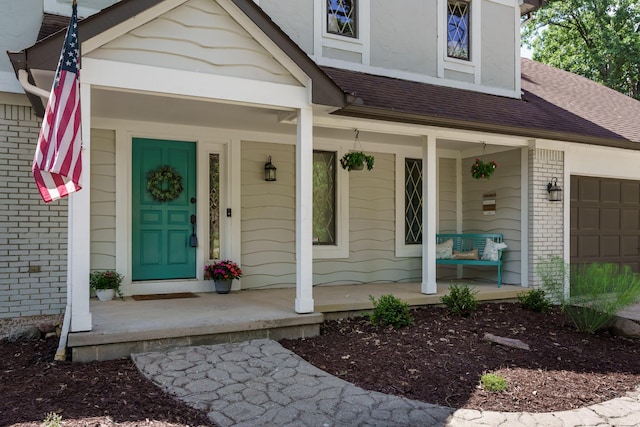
x=223, y=286
x=105, y=294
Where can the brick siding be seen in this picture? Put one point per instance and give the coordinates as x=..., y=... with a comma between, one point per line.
x=546, y=219
x=32, y=235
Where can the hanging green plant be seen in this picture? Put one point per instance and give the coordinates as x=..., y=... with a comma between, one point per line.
x=164, y=184
x=480, y=169
x=355, y=160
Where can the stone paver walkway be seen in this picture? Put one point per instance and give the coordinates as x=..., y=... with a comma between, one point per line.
x=260, y=383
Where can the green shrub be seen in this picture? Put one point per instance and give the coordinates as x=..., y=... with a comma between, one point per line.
x=461, y=300
x=535, y=300
x=389, y=310
x=494, y=383
x=596, y=292
x=53, y=420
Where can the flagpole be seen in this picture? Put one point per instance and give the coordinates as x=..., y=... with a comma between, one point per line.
x=61, y=352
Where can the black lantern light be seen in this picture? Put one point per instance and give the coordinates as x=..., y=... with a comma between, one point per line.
x=555, y=192
x=269, y=171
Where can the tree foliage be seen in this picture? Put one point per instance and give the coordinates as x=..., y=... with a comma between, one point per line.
x=597, y=39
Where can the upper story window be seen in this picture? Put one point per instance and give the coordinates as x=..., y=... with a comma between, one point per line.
x=458, y=29
x=341, y=17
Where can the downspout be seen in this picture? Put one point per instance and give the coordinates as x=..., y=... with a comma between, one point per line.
x=23, y=78
x=61, y=352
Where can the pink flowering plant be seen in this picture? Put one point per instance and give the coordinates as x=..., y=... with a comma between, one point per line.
x=222, y=270
x=480, y=169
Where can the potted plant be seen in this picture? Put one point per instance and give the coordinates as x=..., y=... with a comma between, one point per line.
x=481, y=170
x=106, y=284
x=355, y=160
x=223, y=272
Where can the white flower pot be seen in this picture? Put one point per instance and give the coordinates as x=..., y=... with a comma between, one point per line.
x=105, y=294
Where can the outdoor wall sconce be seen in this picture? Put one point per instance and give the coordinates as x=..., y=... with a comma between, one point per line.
x=269, y=171
x=555, y=192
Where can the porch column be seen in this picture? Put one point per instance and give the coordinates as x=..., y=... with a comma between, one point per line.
x=79, y=230
x=304, y=212
x=429, y=208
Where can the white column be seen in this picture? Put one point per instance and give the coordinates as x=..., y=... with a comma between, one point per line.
x=304, y=212
x=79, y=240
x=429, y=213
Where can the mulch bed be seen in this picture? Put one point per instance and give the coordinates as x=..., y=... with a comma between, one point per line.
x=441, y=358
x=438, y=360
x=92, y=394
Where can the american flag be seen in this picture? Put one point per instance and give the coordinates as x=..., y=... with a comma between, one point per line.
x=57, y=164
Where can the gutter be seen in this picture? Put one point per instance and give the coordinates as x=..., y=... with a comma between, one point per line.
x=355, y=110
x=61, y=352
x=23, y=78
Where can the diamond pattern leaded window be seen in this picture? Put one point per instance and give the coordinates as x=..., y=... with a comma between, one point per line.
x=413, y=201
x=341, y=17
x=214, y=206
x=324, y=197
x=458, y=29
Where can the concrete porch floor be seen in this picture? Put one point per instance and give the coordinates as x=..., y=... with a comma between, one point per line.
x=124, y=327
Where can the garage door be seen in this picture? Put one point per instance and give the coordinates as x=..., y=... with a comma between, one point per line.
x=605, y=221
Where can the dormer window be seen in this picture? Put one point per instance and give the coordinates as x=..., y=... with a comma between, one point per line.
x=341, y=17
x=458, y=29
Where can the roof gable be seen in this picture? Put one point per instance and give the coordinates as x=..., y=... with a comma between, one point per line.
x=198, y=35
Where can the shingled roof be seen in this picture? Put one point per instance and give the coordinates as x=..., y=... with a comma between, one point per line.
x=555, y=104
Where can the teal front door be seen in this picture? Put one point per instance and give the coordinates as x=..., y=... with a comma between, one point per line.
x=161, y=217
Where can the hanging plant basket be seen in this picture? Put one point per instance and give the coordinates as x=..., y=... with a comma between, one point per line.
x=356, y=160
x=482, y=170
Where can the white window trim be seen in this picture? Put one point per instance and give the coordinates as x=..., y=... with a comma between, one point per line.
x=341, y=248
x=360, y=45
x=472, y=66
x=402, y=249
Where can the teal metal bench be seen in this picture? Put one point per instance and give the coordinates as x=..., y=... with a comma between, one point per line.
x=468, y=242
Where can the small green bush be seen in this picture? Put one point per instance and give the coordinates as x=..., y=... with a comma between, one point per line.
x=494, y=383
x=595, y=292
x=535, y=300
x=390, y=310
x=461, y=300
x=53, y=420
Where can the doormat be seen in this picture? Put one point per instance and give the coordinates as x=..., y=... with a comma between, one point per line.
x=164, y=296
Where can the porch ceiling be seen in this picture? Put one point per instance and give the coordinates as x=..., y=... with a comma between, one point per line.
x=187, y=112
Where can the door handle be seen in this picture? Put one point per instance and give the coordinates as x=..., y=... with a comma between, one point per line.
x=193, y=239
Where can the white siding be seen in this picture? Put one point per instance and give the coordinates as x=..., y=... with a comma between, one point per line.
x=103, y=200
x=295, y=17
x=197, y=36
x=268, y=224
x=407, y=43
x=372, y=232
x=505, y=182
x=268, y=216
x=498, y=46
x=408, y=40
x=447, y=196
